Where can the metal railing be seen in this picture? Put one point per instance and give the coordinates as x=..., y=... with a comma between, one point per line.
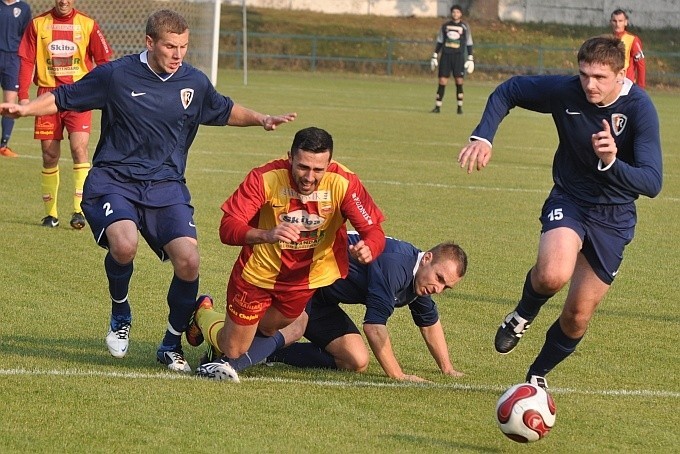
x=391, y=56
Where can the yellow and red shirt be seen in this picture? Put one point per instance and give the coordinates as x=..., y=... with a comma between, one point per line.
x=635, y=58
x=61, y=50
x=268, y=197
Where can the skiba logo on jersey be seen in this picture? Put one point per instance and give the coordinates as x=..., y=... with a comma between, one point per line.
x=62, y=48
x=619, y=123
x=186, y=95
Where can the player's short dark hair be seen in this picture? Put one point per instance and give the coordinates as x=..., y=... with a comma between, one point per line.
x=312, y=139
x=458, y=7
x=165, y=21
x=450, y=251
x=618, y=11
x=605, y=49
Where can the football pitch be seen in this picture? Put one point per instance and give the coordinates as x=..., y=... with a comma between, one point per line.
x=61, y=391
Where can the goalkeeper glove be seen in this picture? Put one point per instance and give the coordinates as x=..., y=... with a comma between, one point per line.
x=434, y=62
x=469, y=65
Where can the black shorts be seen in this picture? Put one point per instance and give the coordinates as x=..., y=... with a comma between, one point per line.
x=452, y=63
x=327, y=322
x=605, y=230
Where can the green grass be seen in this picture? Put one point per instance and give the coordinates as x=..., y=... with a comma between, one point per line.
x=62, y=392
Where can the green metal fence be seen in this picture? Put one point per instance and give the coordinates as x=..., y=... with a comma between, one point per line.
x=389, y=56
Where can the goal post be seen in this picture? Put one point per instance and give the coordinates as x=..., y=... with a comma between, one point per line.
x=123, y=24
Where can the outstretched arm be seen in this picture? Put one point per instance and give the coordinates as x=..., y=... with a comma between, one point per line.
x=242, y=116
x=42, y=105
x=379, y=341
x=436, y=343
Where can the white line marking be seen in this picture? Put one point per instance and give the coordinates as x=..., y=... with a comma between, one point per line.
x=337, y=383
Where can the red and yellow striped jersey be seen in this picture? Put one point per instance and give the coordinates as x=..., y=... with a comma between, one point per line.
x=61, y=50
x=635, y=58
x=268, y=197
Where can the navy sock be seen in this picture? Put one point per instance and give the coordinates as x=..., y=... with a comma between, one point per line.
x=259, y=350
x=181, y=301
x=7, y=127
x=304, y=354
x=119, y=283
x=531, y=302
x=557, y=348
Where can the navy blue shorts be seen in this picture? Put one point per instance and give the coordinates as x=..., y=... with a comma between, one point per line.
x=161, y=210
x=327, y=322
x=9, y=71
x=605, y=230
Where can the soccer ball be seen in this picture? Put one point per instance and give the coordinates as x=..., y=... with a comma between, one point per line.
x=525, y=413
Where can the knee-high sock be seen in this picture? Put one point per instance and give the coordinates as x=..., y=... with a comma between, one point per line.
x=531, y=302
x=119, y=284
x=304, y=354
x=557, y=348
x=210, y=322
x=459, y=94
x=258, y=351
x=7, y=127
x=441, y=89
x=181, y=301
x=79, y=173
x=49, y=183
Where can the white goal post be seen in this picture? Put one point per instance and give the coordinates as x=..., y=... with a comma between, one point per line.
x=123, y=24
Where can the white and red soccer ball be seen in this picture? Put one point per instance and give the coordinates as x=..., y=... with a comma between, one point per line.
x=525, y=413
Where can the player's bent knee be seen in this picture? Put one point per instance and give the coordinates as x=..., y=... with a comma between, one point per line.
x=361, y=367
x=186, y=266
x=294, y=332
x=354, y=363
x=574, y=323
x=123, y=252
x=230, y=350
x=550, y=283
x=268, y=332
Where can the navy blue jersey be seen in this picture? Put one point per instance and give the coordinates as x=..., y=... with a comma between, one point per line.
x=13, y=21
x=384, y=284
x=634, y=123
x=148, y=123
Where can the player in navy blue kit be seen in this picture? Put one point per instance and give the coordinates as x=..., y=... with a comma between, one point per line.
x=401, y=276
x=454, y=40
x=14, y=18
x=609, y=154
x=152, y=105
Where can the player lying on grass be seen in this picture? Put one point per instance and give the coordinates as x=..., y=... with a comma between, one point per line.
x=401, y=276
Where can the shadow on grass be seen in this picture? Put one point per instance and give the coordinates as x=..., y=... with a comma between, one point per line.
x=417, y=442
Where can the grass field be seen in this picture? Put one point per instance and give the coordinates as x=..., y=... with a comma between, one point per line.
x=62, y=392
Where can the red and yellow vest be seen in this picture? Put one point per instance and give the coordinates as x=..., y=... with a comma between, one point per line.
x=61, y=50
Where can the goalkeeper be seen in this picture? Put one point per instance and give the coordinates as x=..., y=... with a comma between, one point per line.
x=454, y=40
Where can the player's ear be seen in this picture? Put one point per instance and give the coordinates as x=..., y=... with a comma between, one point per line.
x=621, y=76
x=427, y=258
